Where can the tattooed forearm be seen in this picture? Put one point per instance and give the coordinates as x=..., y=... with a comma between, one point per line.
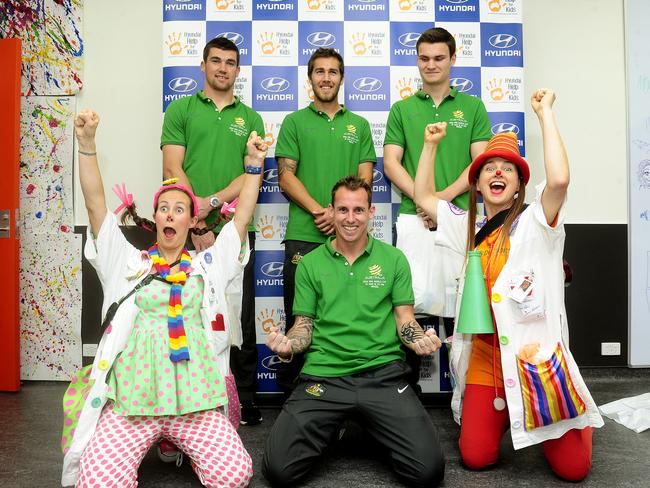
x=409, y=332
x=300, y=334
x=285, y=164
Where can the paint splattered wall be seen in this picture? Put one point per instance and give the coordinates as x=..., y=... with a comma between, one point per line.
x=50, y=254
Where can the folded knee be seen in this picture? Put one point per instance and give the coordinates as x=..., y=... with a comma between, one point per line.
x=477, y=457
x=430, y=475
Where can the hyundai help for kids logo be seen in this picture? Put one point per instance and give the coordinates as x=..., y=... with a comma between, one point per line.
x=403, y=37
x=457, y=11
x=501, y=45
x=179, y=82
x=366, y=10
x=313, y=35
x=268, y=273
x=240, y=33
x=183, y=10
x=275, y=88
x=367, y=88
x=275, y=10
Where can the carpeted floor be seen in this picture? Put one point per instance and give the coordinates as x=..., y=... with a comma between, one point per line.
x=30, y=454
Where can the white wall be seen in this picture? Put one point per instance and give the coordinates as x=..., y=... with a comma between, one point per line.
x=576, y=48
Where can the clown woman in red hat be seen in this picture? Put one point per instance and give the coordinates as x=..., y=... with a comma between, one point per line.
x=522, y=375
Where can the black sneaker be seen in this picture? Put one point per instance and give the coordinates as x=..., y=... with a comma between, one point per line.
x=250, y=414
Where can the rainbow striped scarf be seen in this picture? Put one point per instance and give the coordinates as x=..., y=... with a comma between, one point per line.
x=178, y=350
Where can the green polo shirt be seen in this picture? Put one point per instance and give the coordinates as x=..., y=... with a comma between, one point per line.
x=214, y=141
x=326, y=151
x=467, y=122
x=352, y=307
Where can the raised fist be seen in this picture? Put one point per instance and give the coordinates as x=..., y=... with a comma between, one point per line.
x=85, y=125
x=433, y=133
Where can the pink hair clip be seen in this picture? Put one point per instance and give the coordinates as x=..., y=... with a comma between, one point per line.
x=227, y=208
x=125, y=198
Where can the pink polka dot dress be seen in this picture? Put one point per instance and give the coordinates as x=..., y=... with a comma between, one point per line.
x=144, y=381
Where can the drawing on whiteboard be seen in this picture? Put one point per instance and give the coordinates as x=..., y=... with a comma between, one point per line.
x=644, y=174
x=642, y=145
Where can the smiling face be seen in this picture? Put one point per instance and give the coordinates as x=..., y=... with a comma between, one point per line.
x=220, y=68
x=351, y=214
x=326, y=79
x=173, y=219
x=498, y=181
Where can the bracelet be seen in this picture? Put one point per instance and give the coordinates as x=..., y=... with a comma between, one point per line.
x=253, y=170
x=282, y=360
x=87, y=153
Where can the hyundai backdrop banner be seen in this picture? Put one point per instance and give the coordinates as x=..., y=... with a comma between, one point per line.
x=377, y=41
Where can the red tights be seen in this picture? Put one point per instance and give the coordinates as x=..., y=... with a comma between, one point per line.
x=483, y=427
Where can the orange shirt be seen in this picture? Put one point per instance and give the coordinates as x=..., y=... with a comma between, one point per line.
x=480, y=371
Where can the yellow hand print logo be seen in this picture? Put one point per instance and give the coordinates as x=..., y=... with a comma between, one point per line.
x=313, y=4
x=266, y=319
x=405, y=87
x=405, y=5
x=495, y=5
x=266, y=43
x=174, y=44
x=266, y=228
x=459, y=44
x=359, y=45
x=496, y=92
x=269, y=136
x=224, y=4
x=240, y=122
x=457, y=114
x=351, y=128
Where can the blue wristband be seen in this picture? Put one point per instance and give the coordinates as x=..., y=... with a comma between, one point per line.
x=253, y=170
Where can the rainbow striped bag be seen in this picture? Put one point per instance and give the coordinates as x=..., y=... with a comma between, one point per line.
x=548, y=393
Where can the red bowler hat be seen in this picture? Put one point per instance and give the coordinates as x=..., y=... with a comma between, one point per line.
x=502, y=145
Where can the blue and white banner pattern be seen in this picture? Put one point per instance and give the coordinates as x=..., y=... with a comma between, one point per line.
x=377, y=41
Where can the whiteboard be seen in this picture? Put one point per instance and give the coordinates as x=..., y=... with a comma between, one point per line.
x=638, y=87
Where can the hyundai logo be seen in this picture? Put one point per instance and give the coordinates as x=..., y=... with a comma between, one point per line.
x=409, y=39
x=366, y=1
x=182, y=84
x=271, y=176
x=457, y=1
x=321, y=39
x=235, y=37
x=367, y=84
x=183, y=1
x=505, y=127
x=272, y=269
x=502, y=41
x=376, y=176
x=275, y=84
x=461, y=84
x=271, y=362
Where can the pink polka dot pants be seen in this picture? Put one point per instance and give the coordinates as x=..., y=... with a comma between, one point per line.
x=118, y=445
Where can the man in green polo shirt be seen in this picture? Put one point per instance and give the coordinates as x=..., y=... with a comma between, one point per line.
x=316, y=147
x=354, y=309
x=469, y=128
x=203, y=144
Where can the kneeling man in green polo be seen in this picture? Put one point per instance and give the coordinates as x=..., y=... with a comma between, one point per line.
x=353, y=309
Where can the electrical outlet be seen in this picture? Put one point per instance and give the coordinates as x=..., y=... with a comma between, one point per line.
x=610, y=348
x=89, y=350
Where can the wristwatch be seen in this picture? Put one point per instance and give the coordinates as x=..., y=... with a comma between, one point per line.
x=215, y=202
